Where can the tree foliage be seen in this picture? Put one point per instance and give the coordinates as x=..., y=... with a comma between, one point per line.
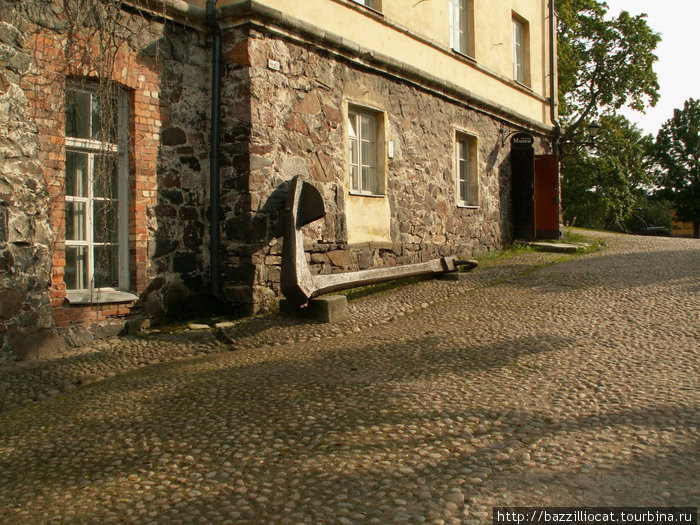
x=602, y=190
x=604, y=63
x=677, y=151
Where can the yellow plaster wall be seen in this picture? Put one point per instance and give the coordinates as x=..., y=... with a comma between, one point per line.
x=369, y=219
x=430, y=19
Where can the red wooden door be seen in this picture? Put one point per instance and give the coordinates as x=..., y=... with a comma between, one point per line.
x=546, y=197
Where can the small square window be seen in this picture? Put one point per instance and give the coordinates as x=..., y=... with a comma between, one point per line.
x=466, y=169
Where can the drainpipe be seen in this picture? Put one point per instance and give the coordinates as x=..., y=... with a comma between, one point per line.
x=552, y=78
x=214, y=175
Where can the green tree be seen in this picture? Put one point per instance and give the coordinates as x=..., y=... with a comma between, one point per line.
x=678, y=156
x=601, y=190
x=604, y=63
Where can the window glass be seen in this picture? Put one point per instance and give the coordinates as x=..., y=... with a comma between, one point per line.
x=78, y=114
x=105, y=176
x=362, y=152
x=76, y=174
x=105, y=215
x=106, y=266
x=75, y=274
x=76, y=219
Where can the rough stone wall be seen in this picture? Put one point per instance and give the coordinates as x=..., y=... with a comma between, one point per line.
x=164, y=69
x=295, y=127
x=25, y=231
x=178, y=224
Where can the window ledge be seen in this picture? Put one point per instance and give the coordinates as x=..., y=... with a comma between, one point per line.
x=464, y=56
x=468, y=206
x=79, y=297
x=523, y=86
x=368, y=8
x=360, y=194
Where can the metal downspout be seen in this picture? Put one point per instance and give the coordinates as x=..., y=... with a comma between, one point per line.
x=214, y=237
x=552, y=79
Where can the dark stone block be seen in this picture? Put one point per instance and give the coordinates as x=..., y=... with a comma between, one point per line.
x=193, y=235
x=188, y=213
x=195, y=283
x=239, y=294
x=329, y=309
x=35, y=344
x=173, y=137
x=155, y=284
x=191, y=162
x=242, y=273
x=174, y=196
x=164, y=247
x=236, y=229
x=11, y=301
x=185, y=262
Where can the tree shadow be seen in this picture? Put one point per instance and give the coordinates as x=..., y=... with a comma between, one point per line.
x=348, y=427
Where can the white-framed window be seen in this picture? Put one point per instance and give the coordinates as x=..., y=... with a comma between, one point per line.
x=96, y=193
x=521, y=71
x=372, y=4
x=363, y=158
x=466, y=170
x=461, y=27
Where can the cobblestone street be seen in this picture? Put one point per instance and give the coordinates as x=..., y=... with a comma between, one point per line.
x=535, y=381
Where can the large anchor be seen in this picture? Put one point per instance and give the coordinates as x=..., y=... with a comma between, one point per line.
x=305, y=205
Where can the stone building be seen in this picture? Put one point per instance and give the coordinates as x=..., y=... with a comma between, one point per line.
x=399, y=111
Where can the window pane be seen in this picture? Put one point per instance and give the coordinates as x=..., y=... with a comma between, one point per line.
x=352, y=125
x=367, y=153
x=369, y=179
x=75, y=221
x=353, y=151
x=462, y=151
x=106, y=266
x=75, y=273
x=463, y=191
x=104, y=117
x=473, y=189
x=367, y=131
x=76, y=174
x=105, y=221
x=104, y=173
x=78, y=114
x=354, y=182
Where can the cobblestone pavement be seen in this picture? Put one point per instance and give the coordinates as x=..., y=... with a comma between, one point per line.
x=528, y=383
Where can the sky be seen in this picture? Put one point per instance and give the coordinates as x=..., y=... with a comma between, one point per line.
x=678, y=68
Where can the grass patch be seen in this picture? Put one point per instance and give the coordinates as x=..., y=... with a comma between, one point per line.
x=493, y=258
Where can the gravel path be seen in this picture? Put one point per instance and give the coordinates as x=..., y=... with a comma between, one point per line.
x=527, y=383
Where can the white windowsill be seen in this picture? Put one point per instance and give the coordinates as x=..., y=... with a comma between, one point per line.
x=79, y=297
x=463, y=55
x=468, y=206
x=360, y=194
